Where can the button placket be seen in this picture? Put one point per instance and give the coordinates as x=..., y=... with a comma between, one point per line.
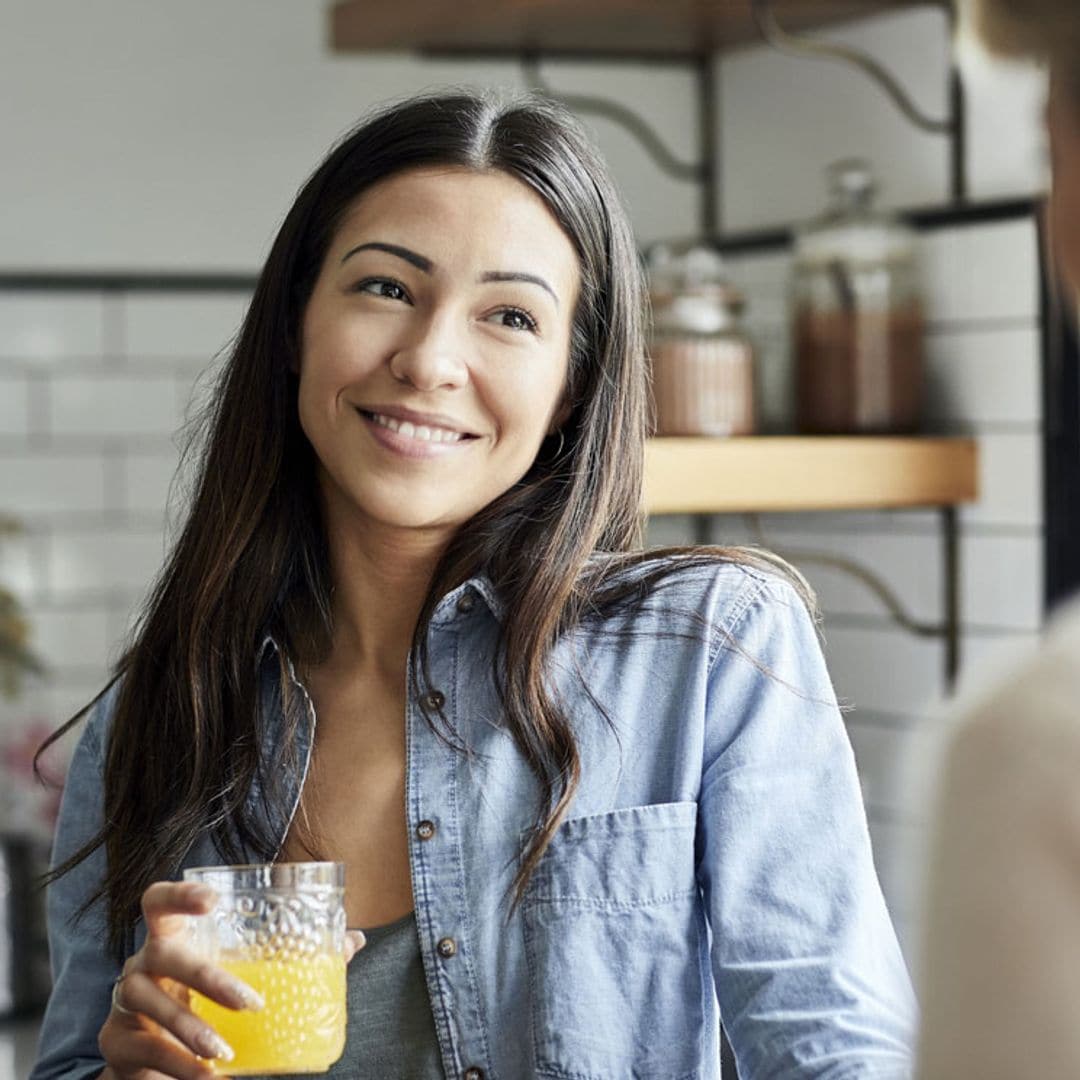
x=432, y=785
x=433, y=700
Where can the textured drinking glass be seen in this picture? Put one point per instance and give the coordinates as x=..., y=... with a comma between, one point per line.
x=281, y=928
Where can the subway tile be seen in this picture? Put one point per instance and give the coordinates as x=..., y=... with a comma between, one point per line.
x=66, y=693
x=14, y=405
x=1010, y=481
x=104, y=560
x=1001, y=576
x=35, y=484
x=70, y=695
x=181, y=326
x=907, y=522
x=1003, y=582
x=884, y=668
x=984, y=377
x=149, y=482
x=784, y=119
x=987, y=659
x=1006, y=135
x=114, y=405
x=51, y=325
x=899, y=857
x=669, y=530
x=897, y=763
x=67, y=637
x=124, y=615
x=981, y=272
x=909, y=566
x=20, y=567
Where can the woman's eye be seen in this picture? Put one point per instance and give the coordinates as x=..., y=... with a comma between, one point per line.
x=517, y=319
x=384, y=287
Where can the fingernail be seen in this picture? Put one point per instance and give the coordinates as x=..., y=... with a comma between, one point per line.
x=212, y=1045
x=249, y=998
x=198, y=891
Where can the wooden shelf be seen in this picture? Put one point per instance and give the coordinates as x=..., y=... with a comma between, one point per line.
x=659, y=28
x=766, y=474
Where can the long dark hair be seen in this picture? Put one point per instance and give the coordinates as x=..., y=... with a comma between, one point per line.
x=251, y=561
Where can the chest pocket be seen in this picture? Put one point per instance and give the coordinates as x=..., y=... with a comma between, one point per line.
x=613, y=940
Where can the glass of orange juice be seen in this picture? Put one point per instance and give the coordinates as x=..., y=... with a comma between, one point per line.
x=280, y=927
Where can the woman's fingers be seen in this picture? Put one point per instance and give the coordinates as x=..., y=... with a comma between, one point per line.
x=140, y=993
x=167, y=904
x=354, y=942
x=163, y=957
x=137, y=1052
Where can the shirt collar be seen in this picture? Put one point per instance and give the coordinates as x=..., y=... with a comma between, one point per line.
x=457, y=602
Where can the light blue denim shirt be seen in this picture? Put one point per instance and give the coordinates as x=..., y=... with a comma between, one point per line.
x=715, y=860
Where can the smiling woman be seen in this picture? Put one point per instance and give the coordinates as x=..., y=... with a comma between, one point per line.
x=588, y=797
x=435, y=358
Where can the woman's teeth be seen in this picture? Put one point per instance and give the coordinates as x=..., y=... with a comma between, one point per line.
x=416, y=431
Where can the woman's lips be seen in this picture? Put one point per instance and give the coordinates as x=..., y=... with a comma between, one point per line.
x=413, y=439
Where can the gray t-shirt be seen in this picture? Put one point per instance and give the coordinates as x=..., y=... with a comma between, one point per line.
x=391, y=1032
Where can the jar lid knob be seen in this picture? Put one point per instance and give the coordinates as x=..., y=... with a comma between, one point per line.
x=851, y=182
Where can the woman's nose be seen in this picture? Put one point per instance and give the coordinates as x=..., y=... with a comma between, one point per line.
x=433, y=358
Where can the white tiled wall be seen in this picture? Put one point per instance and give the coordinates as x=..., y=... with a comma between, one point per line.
x=93, y=385
x=984, y=348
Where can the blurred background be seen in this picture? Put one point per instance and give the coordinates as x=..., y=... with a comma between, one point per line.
x=149, y=152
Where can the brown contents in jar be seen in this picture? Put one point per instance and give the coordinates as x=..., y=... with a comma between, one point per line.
x=703, y=386
x=859, y=371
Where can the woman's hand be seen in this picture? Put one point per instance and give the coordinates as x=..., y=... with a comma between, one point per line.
x=151, y=1033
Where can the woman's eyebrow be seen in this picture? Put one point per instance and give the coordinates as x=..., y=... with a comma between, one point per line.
x=514, y=275
x=419, y=261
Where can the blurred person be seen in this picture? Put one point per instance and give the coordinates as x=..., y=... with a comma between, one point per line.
x=1000, y=970
x=596, y=796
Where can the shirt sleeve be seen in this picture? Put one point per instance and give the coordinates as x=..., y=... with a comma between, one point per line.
x=82, y=966
x=807, y=968
x=999, y=967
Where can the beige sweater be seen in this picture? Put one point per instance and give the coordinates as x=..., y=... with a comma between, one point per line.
x=1001, y=962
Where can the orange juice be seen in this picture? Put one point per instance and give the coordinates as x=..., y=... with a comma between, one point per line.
x=302, y=1028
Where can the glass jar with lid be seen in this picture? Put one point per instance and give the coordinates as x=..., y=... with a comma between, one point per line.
x=857, y=315
x=702, y=361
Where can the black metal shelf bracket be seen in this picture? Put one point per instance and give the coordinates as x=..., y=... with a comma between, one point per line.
x=948, y=630
x=703, y=172
x=953, y=126
x=651, y=143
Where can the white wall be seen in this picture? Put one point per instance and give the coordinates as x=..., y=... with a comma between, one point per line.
x=146, y=136
x=174, y=135
x=783, y=120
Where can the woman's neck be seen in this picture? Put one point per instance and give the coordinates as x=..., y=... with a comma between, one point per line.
x=381, y=579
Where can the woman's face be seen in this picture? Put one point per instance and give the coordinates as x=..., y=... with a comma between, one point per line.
x=435, y=346
x=1063, y=122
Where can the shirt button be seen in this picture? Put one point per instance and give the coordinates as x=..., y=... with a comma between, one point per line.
x=434, y=700
x=466, y=603
x=447, y=948
x=474, y=1074
x=425, y=830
